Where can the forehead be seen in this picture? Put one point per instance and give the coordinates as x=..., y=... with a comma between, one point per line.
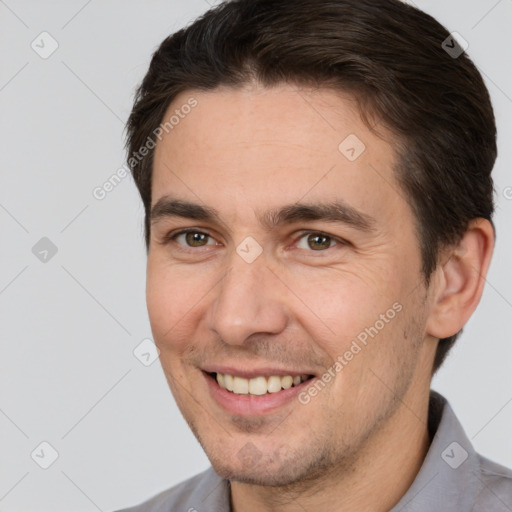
x=238, y=149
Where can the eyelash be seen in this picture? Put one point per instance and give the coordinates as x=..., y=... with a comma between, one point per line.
x=171, y=237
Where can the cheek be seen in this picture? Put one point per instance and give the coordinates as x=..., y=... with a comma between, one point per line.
x=340, y=304
x=174, y=302
x=355, y=316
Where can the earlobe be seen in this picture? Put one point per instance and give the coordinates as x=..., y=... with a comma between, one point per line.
x=459, y=280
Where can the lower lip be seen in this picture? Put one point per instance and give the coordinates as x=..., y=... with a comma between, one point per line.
x=252, y=405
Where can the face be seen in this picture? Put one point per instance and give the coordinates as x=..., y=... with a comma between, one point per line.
x=283, y=281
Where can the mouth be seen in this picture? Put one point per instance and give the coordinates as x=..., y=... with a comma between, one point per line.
x=254, y=392
x=259, y=385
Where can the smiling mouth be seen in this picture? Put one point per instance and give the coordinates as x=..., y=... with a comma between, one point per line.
x=258, y=385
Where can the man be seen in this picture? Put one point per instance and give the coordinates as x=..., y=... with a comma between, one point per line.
x=316, y=176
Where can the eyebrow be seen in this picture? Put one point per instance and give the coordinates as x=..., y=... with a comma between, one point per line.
x=336, y=211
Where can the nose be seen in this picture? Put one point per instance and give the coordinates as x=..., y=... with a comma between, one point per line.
x=249, y=301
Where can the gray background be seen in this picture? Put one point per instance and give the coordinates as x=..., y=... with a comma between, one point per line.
x=68, y=375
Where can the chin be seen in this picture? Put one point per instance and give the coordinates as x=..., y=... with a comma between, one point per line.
x=260, y=476
x=281, y=467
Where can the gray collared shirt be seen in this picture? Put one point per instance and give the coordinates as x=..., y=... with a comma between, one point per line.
x=453, y=478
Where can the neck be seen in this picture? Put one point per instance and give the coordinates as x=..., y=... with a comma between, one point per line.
x=383, y=469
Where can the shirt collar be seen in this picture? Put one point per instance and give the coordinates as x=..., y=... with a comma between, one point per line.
x=448, y=477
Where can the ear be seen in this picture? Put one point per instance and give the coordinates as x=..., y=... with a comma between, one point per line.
x=459, y=280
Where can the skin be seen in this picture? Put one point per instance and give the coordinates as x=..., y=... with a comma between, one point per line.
x=359, y=443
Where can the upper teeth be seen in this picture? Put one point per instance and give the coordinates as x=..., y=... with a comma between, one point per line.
x=258, y=385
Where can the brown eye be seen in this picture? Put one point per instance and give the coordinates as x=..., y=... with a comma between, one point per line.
x=192, y=239
x=195, y=239
x=316, y=242
x=319, y=242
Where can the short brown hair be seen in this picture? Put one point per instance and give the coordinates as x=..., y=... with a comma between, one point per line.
x=388, y=54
